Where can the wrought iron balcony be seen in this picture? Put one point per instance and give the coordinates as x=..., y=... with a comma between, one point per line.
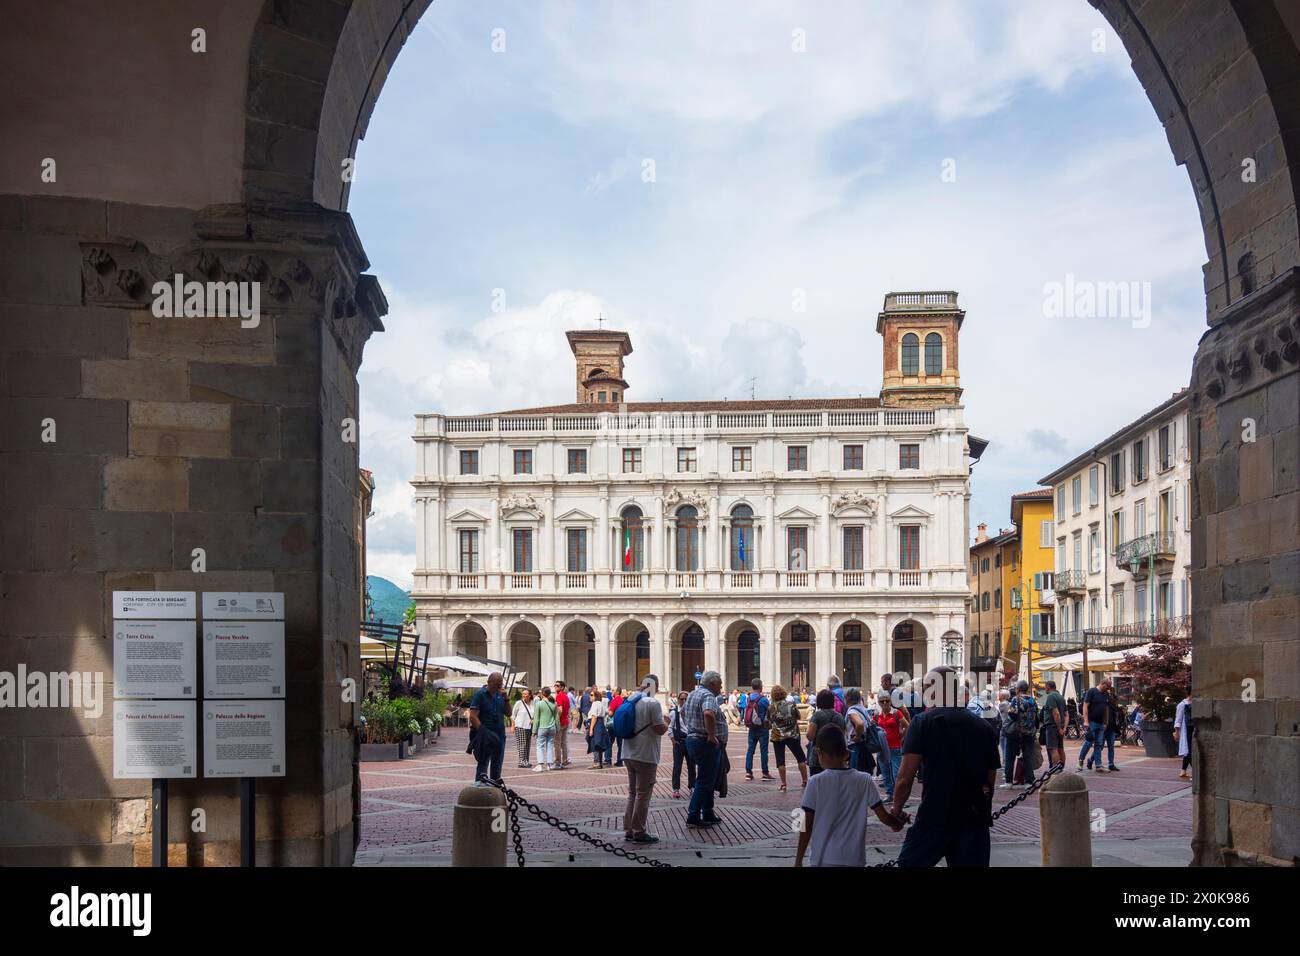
x=1070, y=582
x=1136, y=554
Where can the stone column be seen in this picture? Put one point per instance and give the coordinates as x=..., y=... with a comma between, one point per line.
x=549, y=562
x=769, y=539
x=423, y=558
x=714, y=658
x=602, y=543
x=658, y=654
x=436, y=555
x=494, y=549
x=550, y=671
x=495, y=640
x=604, y=652
x=824, y=532
x=825, y=651
x=881, y=658
x=768, y=661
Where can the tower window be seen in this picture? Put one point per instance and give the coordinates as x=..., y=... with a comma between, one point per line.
x=934, y=354
x=911, y=354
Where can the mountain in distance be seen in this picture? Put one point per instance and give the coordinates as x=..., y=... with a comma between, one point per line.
x=387, y=600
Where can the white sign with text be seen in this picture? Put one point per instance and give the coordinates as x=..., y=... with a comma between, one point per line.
x=154, y=659
x=243, y=659
x=154, y=605
x=157, y=738
x=243, y=605
x=243, y=738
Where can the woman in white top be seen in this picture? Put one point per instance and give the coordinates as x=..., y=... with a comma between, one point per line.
x=1183, y=734
x=597, y=733
x=522, y=718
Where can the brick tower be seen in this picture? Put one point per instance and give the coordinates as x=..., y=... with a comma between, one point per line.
x=919, y=332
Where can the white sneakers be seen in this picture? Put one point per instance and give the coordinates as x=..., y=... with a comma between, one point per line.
x=538, y=768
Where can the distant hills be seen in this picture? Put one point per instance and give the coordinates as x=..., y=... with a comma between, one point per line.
x=388, y=601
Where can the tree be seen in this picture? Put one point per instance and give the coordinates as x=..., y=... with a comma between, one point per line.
x=408, y=616
x=1161, y=678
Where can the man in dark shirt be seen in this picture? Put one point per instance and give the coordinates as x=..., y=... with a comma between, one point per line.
x=1096, y=708
x=1054, y=720
x=960, y=752
x=487, y=721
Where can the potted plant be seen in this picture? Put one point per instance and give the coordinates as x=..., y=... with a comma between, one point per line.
x=1160, y=680
x=382, y=732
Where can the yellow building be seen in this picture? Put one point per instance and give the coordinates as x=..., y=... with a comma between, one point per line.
x=1027, y=580
x=986, y=605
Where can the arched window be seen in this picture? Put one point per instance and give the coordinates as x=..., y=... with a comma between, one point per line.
x=743, y=541
x=934, y=354
x=911, y=354
x=632, y=543
x=688, y=539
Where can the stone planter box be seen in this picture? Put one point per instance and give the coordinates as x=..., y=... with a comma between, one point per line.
x=381, y=752
x=1158, y=738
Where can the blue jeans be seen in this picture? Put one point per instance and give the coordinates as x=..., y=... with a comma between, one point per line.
x=860, y=758
x=1022, y=747
x=1093, y=737
x=546, y=746
x=757, y=737
x=489, y=750
x=1110, y=748
x=925, y=846
x=705, y=756
x=889, y=761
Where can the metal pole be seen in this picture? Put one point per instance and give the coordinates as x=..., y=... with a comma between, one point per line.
x=247, y=821
x=159, y=821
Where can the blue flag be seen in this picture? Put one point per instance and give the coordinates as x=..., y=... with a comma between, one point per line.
x=742, y=547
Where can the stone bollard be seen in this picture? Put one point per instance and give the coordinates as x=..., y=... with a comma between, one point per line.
x=479, y=826
x=1064, y=821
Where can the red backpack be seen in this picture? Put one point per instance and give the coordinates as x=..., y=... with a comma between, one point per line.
x=753, y=719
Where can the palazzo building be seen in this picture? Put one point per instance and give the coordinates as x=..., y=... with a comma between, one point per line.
x=786, y=540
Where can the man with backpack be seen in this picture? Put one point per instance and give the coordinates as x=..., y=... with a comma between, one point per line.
x=1019, y=726
x=755, y=720
x=865, y=739
x=638, y=725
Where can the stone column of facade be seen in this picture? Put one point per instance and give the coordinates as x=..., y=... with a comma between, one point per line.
x=433, y=537
x=711, y=560
x=1245, y=415
x=825, y=651
x=769, y=542
x=234, y=436
x=493, y=552
x=550, y=670
x=654, y=533
x=552, y=559
x=658, y=655
x=495, y=640
x=716, y=660
x=602, y=544
x=881, y=660
x=823, y=561
x=769, y=664
x=604, y=652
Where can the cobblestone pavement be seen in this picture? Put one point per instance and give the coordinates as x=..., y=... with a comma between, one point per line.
x=406, y=812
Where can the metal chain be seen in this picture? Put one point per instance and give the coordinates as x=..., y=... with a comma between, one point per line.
x=1020, y=798
x=514, y=802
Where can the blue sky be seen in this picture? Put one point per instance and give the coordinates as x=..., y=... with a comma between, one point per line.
x=776, y=170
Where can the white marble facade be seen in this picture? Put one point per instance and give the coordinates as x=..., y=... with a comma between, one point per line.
x=853, y=563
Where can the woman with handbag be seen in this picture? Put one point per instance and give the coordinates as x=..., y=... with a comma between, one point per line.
x=784, y=717
x=1183, y=730
x=677, y=733
x=598, y=732
x=546, y=716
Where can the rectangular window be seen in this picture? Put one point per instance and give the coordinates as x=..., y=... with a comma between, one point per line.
x=909, y=457
x=468, y=461
x=909, y=547
x=468, y=541
x=1060, y=502
x=1117, y=529
x=1117, y=607
x=523, y=461
x=522, y=540
x=1094, y=610
x=796, y=458
x=686, y=459
x=742, y=458
x=577, y=461
x=1060, y=555
x=1094, y=552
x=1094, y=486
x=853, y=548
x=984, y=565
x=1165, y=446
x=1117, y=473
x=1165, y=596
x=1139, y=460
x=1139, y=518
x=1140, y=602
x=1078, y=550
x=796, y=546
x=1044, y=534
x=1076, y=493
x=1166, y=512
x=997, y=598
x=577, y=542
x=631, y=460
x=984, y=601
x=997, y=560
x=852, y=457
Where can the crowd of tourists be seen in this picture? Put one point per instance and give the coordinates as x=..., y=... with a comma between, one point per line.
x=856, y=753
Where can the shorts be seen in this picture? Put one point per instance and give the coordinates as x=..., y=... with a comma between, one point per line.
x=796, y=748
x=1054, y=741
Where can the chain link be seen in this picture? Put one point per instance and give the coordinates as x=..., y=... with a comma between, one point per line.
x=1020, y=798
x=514, y=802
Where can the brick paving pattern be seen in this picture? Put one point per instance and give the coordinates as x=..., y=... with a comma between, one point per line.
x=406, y=807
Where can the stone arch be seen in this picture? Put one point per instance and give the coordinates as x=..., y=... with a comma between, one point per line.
x=798, y=660
x=742, y=650
x=631, y=637
x=687, y=641
x=577, y=640
x=468, y=637
x=523, y=649
x=853, y=650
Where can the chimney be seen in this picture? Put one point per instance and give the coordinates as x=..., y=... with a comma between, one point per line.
x=981, y=533
x=598, y=356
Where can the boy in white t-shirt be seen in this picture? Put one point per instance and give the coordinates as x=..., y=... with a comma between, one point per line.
x=835, y=806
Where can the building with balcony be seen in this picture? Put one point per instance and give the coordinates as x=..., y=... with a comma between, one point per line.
x=787, y=540
x=984, y=614
x=1122, y=530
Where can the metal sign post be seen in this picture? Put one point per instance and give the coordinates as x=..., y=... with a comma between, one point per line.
x=247, y=821
x=159, y=835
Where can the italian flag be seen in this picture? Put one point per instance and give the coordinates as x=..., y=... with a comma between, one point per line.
x=627, y=547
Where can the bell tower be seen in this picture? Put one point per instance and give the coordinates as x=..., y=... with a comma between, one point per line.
x=919, y=332
x=598, y=354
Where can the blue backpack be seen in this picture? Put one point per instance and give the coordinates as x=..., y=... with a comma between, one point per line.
x=624, y=725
